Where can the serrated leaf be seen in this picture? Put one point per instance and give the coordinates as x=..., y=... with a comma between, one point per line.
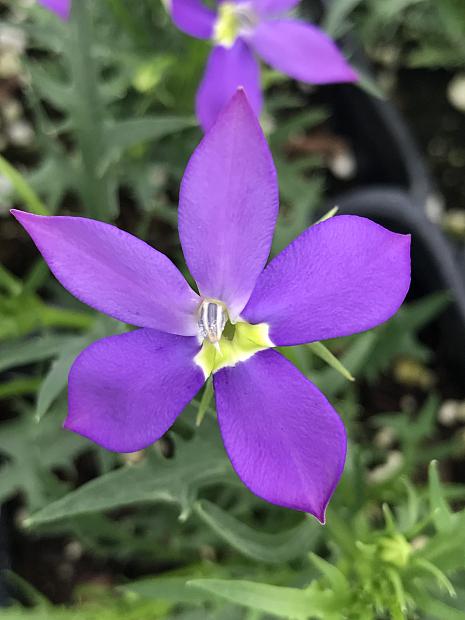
x=197, y=463
x=260, y=546
x=123, y=135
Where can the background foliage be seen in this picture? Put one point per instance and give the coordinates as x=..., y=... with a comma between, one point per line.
x=96, y=119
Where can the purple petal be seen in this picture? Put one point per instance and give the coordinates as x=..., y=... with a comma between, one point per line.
x=273, y=7
x=193, y=18
x=285, y=441
x=61, y=7
x=114, y=272
x=227, y=69
x=126, y=391
x=340, y=277
x=301, y=51
x=228, y=207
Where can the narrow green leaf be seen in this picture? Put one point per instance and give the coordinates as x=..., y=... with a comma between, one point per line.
x=440, y=577
x=22, y=188
x=165, y=588
x=335, y=577
x=54, y=383
x=276, y=600
x=442, y=611
x=337, y=16
x=31, y=350
x=9, y=282
x=271, y=548
x=442, y=515
x=19, y=387
x=325, y=354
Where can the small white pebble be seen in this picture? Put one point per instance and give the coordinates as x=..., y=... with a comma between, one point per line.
x=434, y=208
x=12, y=39
x=21, y=133
x=448, y=412
x=73, y=551
x=456, y=92
x=343, y=165
x=388, y=469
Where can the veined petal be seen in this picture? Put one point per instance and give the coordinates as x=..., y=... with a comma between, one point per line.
x=114, y=272
x=126, y=391
x=284, y=439
x=301, y=51
x=340, y=277
x=228, y=69
x=61, y=7
x=228, y=207
x=193, y=18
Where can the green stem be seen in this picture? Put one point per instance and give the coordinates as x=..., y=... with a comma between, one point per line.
x=87, y=112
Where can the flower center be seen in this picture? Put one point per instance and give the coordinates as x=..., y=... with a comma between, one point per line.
x=234, y=19
x=213, y=316
x=226, y=343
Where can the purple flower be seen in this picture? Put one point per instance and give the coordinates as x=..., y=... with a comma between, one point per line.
x=242, y=28
x=339, y=277
x=61, y=7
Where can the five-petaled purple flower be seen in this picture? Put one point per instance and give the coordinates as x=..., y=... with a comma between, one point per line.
x=61, y=7
x=339, y=277
x=242, y=28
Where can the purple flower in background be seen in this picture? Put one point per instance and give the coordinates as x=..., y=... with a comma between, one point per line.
x=339, y=277
x=61, y=7
x=241, y=29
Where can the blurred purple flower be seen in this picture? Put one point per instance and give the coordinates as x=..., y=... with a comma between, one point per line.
x=61, y=7
x=339, y=277
x=240, y=30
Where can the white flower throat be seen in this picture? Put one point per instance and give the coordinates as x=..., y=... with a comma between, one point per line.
x=224, y=343
x=234, y=19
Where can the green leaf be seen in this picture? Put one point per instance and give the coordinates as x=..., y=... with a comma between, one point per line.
x=275, y=600
x=197, y=463
x=53, y=384
x=442, y=515
x=31, y=350
x=354, y=359
x=336, y=18
x=24, y=191
x=260, y=546
x=319, y=349
x=165, y=588
x=442, y=611
x=336, y=579
x=123, y=135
